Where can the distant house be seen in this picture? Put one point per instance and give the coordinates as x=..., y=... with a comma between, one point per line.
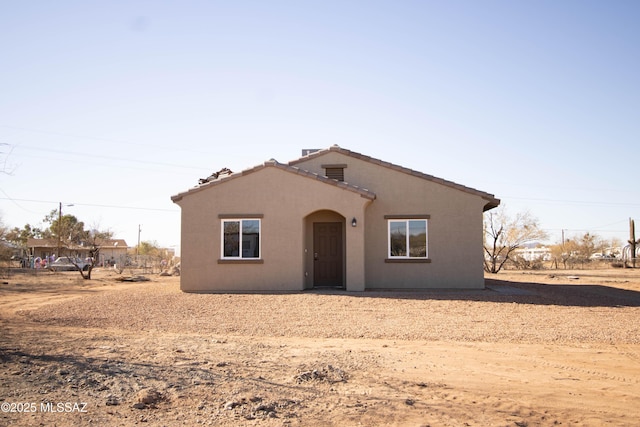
x=45, y=248
x=10, y=252
x=541, y=253
x=113, y=249
x=332, y=218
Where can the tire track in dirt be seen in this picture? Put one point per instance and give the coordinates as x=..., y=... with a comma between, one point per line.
x=540, y=360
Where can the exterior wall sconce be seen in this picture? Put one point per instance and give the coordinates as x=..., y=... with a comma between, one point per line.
x=354, y=222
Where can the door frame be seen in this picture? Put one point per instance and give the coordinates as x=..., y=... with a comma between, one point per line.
x=340, y=258
x=321, y=215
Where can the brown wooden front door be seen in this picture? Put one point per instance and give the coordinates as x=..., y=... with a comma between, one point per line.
x=327, y=254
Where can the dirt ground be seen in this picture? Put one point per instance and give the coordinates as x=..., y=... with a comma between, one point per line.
x=533, y=349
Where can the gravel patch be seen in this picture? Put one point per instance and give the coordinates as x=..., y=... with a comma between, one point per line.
x=513, y=313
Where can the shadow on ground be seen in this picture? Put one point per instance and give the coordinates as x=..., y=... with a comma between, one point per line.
x=504, y=291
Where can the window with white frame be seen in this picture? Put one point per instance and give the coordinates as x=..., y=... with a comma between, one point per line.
x=408, y=238
x=240, y=238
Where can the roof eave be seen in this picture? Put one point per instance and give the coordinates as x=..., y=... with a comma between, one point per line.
x=363, y=192
x=493, y=202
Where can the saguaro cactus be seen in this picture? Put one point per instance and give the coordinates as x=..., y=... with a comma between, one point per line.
x=632, y=241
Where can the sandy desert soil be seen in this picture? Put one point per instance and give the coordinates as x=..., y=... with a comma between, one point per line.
x=533, y=349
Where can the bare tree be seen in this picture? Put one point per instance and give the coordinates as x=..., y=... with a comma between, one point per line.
x=503, y=235
x=74, y=239
x=94, y=241
x=578, y=250
x=562, y=253
x=5, y=247
x=5, y=152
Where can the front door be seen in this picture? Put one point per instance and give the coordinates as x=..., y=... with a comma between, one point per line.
x=327, y=254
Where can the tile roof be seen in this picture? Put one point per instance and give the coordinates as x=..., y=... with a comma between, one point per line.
x=363, y=192
x=492, y=201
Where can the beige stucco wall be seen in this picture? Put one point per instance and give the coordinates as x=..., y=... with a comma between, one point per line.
x=286, y=202
x=106, y=253
x=454, y=227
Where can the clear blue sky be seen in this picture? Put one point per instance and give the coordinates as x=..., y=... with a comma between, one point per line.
x=115, y=106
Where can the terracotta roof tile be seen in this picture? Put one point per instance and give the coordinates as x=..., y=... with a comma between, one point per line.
x=282, y=166
x=492, y=202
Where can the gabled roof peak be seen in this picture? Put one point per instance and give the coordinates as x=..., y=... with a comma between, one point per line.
x=492, y=202
x=272, y=163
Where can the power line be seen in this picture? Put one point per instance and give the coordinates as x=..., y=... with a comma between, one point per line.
x=182, y=147
x=49, y=149
x=128, y=207
x=93, y=205
x=577, y=202
x=101, y=139
x=15, y=202
x=118, y=167
x=122, y=159
x=585, y=230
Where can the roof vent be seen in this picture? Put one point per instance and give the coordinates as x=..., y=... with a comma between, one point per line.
x=336, y=173
x=307, y=151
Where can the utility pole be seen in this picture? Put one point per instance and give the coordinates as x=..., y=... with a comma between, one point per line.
x=59, y=221
x=138, y=247
x=60, y=227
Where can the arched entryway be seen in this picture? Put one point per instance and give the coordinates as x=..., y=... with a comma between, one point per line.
x=325, y=244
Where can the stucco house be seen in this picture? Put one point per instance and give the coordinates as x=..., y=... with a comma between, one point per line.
x=332, y=218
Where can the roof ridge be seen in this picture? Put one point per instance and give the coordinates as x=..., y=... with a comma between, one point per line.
x=283, y=166
x=493, y=201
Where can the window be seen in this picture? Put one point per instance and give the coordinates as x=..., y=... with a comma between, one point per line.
x=240, y=238
x=408, y=238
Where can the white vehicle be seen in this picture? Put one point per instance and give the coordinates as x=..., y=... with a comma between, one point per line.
x=598, y=256
x=65, y=263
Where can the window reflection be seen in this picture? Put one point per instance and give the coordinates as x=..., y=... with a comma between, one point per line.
x=231, y=238
x=408, y=238
x=250, y=238
x=246, y=247
x=398, y=238
x=418, y=238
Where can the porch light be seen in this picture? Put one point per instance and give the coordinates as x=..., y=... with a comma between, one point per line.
x=354, y=222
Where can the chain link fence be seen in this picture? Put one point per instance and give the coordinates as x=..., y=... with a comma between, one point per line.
x=144, y=264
